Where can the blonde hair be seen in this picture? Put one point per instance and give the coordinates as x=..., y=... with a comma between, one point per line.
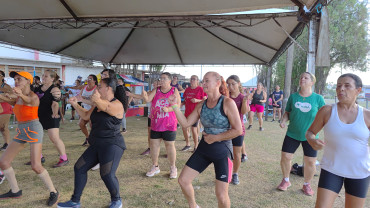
x=312, y=76
x=53, y=75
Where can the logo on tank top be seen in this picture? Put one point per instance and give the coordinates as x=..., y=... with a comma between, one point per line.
x=160, y=104
x=304, y=107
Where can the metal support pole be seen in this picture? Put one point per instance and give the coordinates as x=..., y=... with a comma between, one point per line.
x=311, y=56
x=268, y=86
x=288, y=75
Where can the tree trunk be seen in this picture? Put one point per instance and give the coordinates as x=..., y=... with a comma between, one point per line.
x=288, y=75
x=322, y=74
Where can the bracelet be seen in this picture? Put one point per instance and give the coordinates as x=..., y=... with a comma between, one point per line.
x=174, y=106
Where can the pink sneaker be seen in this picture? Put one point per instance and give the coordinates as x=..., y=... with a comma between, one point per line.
x=284, y=185
x=307, y=190
x=173, y=173
x=154, y=171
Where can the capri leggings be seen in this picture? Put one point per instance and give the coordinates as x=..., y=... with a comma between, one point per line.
x=109, y=156
x=354, y=187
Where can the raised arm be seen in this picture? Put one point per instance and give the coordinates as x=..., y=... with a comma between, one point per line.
x=322, y=117
x=112, y=108
x=245, y=105
x=84, y=114
x=178, y=102
x=191, y=119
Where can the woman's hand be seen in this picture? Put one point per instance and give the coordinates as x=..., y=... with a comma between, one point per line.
x=209, y=138
x=55, y=115
x=95, y=97
x=316, y=144
x=193, y=100
x=166, y=109
x=72, y=100
x=172, y=100
x=17, y=91
x=282, y=124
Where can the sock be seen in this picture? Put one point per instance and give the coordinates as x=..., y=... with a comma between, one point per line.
x=306, y=183
x=286, y=179
x=10, y=176
x=42, y=155
x=64, y=157
x=47, y=180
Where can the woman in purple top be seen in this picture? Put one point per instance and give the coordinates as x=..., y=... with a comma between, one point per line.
x=235, y=88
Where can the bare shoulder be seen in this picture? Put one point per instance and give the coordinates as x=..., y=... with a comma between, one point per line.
x=367, y=117
x=229, y=102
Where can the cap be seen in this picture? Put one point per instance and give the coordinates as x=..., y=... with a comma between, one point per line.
x=22, y=74
x=79, y=77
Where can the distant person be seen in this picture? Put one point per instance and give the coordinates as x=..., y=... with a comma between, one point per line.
x=221, y=121
x=36, y=82
x=300, y=110
x=259, y=97
x=192, y=96
x=241, y=101
x=175, y=83
x=346, y=159
x=73, y=92
x=6, y=113
x=127, y=99
x=277, y=103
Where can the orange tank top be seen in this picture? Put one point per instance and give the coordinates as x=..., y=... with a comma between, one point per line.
x=25, y=112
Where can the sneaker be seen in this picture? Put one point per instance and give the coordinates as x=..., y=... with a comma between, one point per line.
x=96, y=167
x=85, y=143
x=153, y=171
x=173, y=173
x=261, y=129
x=2, y=178
x=69, y=204
x=124, y=130
x=53, y=198
x=272, y=120
x=10, y=194
x=244, y=158
x=146, y=152
x=42, y=161
x=307, y=190
x=72, y=118
x=3, y=148
x=61, y=163
x=116, y=204
x=279, y=121
x=186, y=148
x=235, y=179
x=249, y=127
x=284, y=185
x=201, y=129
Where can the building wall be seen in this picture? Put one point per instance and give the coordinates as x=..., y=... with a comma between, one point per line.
x=72, y=72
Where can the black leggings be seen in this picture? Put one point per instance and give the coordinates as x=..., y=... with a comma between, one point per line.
x=109, y=156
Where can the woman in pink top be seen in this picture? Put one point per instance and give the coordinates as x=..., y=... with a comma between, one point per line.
x=235, y=88
x=192, y=95
x=163, y=123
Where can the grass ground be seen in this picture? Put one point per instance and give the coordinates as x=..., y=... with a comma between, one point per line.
x=259, y=176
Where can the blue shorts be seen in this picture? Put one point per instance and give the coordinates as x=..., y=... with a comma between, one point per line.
x=30, y=132
x=354, y=187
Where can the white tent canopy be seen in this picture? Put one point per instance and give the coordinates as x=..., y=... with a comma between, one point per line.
x=137, y=32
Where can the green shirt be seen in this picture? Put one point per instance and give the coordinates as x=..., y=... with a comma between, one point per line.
x=302, y=112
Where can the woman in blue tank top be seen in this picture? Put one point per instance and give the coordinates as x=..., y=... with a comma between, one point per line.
x=220, y=118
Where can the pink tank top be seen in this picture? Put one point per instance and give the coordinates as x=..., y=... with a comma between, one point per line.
x=162, y=121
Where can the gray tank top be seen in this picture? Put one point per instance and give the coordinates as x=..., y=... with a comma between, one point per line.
x=214, y=119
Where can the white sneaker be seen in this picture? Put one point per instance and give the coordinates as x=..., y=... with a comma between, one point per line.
x=153, y=171
x=96, y=167
x=173, y=172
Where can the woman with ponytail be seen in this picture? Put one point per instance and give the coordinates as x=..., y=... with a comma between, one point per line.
x=49, y=114
x=221, y=121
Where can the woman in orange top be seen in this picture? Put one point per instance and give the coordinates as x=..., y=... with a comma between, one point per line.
x=29, y=131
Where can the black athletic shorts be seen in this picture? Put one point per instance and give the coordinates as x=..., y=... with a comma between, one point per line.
x=354, y=187
x=149, y=122
x=49, y=123
x=79, y=103
x=238, y=141
x=165, y=135
x=195, y=124
x=290, y=145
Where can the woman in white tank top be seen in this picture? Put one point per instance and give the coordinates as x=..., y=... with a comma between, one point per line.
x=346, y=158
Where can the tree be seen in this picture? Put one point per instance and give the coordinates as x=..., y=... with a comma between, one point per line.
x=349, y=44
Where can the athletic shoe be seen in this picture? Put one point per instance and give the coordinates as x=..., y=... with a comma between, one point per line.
x=124, y=130
x=272, y=120
x=244, y=158
x=153, y=171
x=3, y=148
x=61, y=163
x=96, y=167
x=2, y=177
x=69, y=204
x=249, y=127
x=284, y=185
x=10, y=194
x=307, y=190
x=53, y=198
x=116, y=204
x=173, y=172
x=42, y=161
x=261, y=129
x=235, y=179
x=72, y=118
x=279, y=121
x=201, y=129
x=146, y=152
x=186, y=148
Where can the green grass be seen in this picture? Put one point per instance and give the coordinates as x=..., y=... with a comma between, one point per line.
x=259, y=176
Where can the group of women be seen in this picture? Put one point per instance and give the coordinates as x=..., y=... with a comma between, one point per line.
x=346, y=128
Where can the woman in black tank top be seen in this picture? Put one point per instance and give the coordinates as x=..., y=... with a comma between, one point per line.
x=258, y=97
x=106, y=142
